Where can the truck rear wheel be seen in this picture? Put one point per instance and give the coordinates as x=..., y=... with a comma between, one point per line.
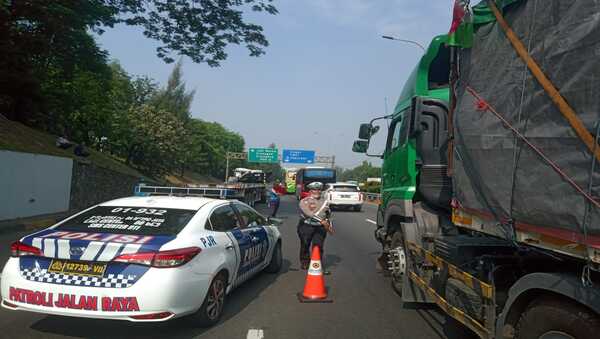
x=397, y=258
x=556, y=318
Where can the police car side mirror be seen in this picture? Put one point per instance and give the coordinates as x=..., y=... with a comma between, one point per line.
x=274, y=221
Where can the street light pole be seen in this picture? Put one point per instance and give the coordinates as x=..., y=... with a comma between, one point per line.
x=404, y=40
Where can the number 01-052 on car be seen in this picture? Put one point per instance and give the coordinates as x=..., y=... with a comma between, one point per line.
x=142, y=259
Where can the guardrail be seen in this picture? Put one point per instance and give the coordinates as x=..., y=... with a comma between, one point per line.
x=372, y=197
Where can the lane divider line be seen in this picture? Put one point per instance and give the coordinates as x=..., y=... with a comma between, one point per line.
x=371, y=221
x=255, y=334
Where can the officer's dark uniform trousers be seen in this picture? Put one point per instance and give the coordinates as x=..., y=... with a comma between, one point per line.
x=310, y=234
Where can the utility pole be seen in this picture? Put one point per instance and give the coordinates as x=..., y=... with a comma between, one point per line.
x=226, y=166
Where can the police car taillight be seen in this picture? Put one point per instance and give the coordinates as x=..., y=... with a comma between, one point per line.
x=174, y=258
x=163, y=259
x=136, y=258
x=19, y=249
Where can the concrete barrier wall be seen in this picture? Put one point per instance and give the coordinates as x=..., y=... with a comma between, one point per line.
x=33, y=184
x=92, y=185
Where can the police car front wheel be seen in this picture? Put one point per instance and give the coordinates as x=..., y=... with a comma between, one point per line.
x=212, y=308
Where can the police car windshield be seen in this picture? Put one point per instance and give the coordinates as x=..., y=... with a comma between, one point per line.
x=130, y=220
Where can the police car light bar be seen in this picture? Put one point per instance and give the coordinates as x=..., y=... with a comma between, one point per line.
x=207, y=192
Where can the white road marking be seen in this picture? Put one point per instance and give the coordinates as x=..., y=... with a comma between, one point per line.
x=371, y=221
x=255, y=334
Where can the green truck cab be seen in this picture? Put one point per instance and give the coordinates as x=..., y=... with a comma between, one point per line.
x=415, y=156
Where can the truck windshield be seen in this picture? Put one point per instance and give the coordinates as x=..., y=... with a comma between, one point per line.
x=130, y=220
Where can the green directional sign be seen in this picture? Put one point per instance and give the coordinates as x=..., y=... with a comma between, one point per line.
x=264, y=155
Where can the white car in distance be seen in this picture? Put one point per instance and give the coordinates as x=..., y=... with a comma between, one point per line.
x=344, y=195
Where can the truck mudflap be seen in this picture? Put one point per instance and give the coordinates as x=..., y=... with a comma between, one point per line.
x=483, y=327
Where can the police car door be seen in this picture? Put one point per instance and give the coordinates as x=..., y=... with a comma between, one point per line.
x=254, y=257
x=226, y=227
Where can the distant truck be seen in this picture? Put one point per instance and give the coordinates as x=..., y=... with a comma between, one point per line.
x=246, y=185
x=247, y=175
x=489, y=202
x=250, y=194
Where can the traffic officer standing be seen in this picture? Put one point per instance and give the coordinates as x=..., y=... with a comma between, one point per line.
x=314, y=222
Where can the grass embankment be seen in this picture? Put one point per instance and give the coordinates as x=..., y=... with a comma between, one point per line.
x=17, y=137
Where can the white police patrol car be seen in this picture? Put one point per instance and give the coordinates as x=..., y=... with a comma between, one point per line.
x=142, y=259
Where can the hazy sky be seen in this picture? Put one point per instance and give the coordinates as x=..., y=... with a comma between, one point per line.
x=326, y=70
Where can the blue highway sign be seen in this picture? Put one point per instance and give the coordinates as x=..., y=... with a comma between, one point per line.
x=298, y=156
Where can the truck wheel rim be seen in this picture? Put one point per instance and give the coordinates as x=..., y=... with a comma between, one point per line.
x=556, y=335
x=216, y=296
x=398, y=262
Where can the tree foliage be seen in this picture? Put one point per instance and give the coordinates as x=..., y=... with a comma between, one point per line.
x=174, y=98
x=53, y=75
x=156, y=140
x=45, y=42
x=361, y=172
x=157, y=135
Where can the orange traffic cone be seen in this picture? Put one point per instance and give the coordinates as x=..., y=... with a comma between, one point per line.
x=314, y=289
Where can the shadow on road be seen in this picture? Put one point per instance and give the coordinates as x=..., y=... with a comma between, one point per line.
x=331, y=260
x=237, y=300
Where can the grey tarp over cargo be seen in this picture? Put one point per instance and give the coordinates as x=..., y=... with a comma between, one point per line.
x=495, y=172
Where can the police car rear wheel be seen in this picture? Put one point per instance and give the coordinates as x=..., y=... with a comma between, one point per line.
x=276, y=260
x=212, y=307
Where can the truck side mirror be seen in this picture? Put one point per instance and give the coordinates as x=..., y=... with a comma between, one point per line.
x=366, y=131
x=360, y=146
x=415, y=115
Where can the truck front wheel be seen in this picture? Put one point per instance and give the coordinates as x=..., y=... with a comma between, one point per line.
x=397, y=261
x=555, y=318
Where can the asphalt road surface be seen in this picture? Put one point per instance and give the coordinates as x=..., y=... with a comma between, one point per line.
x=364, y=304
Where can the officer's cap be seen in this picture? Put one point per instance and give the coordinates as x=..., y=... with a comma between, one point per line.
x=315, y=186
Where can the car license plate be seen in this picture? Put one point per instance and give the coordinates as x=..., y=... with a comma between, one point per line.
x=345, y=196
x=77, y=268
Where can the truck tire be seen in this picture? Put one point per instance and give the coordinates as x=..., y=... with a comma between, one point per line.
x=397, y=243
x=555, y=317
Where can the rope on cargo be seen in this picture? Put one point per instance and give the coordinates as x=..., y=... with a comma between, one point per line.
x=554, y=94
x=483, y=105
